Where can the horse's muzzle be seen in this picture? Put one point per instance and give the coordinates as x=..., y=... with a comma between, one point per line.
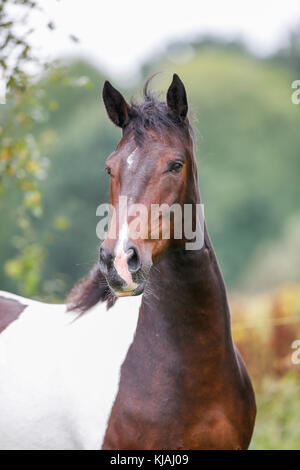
x=123, y=270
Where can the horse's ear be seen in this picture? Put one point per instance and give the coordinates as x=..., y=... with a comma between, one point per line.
x=116, y=106
x=176, y=98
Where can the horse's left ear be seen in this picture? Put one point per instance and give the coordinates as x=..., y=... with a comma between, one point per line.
x=116, y=106
x=176, y=98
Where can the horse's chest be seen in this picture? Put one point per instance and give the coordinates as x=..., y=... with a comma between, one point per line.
x=151, y=426
x=155, y=409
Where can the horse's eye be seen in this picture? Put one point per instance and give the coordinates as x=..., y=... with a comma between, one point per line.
x=175, y=167
x=108, y=170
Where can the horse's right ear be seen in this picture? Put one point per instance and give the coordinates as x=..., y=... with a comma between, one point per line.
x=116, y=106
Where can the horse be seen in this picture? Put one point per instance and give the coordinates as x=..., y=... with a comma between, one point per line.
x=141, y=356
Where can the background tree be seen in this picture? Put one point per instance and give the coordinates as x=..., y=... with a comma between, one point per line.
x=24, y=138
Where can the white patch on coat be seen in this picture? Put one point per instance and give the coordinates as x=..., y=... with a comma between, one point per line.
x=59, y=377
x=130, y=159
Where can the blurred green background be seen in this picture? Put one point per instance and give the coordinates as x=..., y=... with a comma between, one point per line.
x=55, y=138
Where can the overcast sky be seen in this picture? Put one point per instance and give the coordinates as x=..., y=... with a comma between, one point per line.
x=119, y=35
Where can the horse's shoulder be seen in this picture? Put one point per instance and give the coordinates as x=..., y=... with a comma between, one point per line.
x=10, y=309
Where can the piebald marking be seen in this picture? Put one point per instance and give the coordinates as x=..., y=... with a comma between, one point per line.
x=59, y=377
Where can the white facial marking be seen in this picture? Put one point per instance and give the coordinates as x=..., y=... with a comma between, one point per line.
x=121, y=257
x=130, y=158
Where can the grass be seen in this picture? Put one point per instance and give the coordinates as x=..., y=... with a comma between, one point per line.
x=278, y=416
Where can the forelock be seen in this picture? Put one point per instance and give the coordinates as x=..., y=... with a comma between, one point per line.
x=153, y=114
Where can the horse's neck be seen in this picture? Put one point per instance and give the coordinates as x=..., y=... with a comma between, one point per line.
x=185, y=304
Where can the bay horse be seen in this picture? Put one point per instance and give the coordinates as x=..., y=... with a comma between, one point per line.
x=152, y=371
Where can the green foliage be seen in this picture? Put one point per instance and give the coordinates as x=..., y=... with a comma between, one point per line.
x=264, y=328
x=24, y=142
x=23, y=166
x=26, y=268
x=262, y=272
x=15, y=48
x=22, y=154
x=277, y=423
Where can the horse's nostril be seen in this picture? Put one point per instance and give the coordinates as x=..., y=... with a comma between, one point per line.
x=105, y=256
x=133, y=260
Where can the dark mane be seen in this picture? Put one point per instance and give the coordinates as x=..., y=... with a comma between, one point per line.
x=153, y=114
x=90, y=290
